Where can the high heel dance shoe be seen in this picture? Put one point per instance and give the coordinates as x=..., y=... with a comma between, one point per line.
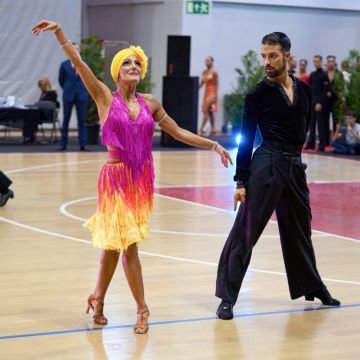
x=97, y=307
x=324, y=296
x=142, y=317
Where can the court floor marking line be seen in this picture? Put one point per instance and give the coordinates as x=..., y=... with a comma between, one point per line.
x=272, y=221
x=37, y=167
x=63, y=210
x=168, y=257
x=30, y=168
x=177, y=321
x=334, y=182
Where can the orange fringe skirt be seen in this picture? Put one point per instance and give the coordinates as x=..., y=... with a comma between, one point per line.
x=124, y=207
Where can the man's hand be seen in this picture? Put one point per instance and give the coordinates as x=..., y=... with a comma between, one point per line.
x=318, y=107
x=239, y=195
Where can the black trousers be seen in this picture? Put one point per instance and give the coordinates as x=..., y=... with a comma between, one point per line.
x=321, y=119
x=5, y=182
x=277, y=182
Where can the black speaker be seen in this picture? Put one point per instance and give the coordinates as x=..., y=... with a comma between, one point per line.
x=178, y=55
x=180, y=101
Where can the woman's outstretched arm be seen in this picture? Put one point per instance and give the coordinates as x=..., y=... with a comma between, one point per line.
x=98, y=90
x=171, y=127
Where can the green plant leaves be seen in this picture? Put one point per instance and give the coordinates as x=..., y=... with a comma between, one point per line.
x=250, y=74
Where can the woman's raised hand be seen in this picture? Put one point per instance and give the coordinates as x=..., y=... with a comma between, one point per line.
x=45, y=25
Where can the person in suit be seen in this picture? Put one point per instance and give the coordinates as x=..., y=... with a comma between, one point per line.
x=320, y=91
x=5, y=192
x=74, y=93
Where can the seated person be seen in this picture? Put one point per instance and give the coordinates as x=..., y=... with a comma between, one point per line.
x=47, y=94
x=346, y=139
x=5, y=192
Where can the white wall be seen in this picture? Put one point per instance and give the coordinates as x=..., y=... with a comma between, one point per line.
x=24, y=58
x=144, y=23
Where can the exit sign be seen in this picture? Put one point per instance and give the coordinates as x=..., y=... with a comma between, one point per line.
x=197, y=7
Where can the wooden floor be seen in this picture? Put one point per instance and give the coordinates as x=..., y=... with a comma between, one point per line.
x=48, y=267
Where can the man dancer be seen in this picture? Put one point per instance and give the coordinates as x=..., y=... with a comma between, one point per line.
x=274, y=179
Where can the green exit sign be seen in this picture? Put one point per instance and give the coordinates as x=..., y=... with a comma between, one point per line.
x=197, y=7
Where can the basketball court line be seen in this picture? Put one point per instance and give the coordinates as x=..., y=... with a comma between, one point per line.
x=63, y=210
x=177, y=321
x=168, y=257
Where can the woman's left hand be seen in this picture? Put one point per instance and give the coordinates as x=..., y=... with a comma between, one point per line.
x=225, y=156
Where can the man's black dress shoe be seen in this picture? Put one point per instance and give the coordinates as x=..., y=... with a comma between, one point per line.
x=63, y=148
x=323, y=295
x=225, y=311
x=84, y=148
x=5, y=197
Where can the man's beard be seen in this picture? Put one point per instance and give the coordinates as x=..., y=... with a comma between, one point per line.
x=273, y=73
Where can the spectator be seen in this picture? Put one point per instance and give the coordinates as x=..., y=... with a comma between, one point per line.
x=302, y=74
x=346, y=139
x=74, y=93
x=46, y=94
x=292, y=63
x=335, y=97
x=320, y=87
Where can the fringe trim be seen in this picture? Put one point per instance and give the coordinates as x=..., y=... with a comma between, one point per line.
x=123, y=209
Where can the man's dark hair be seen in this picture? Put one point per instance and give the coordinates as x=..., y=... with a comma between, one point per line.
x=277, y=38
x=319, y=57
x=303, y=61
x=351, y=113
x=211, y=58
x=331, y=56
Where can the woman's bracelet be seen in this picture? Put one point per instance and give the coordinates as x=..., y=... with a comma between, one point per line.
x=214, y=146
x=66, y=42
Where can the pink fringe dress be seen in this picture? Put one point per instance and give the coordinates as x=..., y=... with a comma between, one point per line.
x=125, y=188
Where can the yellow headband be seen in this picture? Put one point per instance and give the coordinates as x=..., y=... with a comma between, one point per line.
x=120, y=57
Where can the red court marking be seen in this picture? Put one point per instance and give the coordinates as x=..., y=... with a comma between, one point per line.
x=335, y=207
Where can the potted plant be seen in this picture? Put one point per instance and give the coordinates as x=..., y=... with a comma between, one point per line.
x=352, y=97
x=92, y=53
x=251, y=73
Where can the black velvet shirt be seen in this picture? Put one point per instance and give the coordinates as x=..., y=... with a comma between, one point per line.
x=282, y=124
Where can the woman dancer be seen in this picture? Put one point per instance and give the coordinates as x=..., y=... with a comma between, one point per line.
x=126, y=182
x=209, y=106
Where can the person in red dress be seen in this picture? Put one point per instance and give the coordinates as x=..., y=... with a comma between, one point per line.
x=302, y=74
